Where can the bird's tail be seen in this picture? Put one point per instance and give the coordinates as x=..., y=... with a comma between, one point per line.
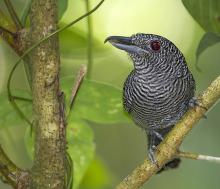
x=154, y=140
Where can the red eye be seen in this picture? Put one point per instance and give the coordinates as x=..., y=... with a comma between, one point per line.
x=155, y=45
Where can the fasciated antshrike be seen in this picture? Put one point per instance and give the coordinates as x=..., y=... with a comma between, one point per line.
x=160, y=88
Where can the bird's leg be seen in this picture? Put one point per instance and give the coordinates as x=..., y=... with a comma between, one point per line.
x=151, y=155
x=154, y=139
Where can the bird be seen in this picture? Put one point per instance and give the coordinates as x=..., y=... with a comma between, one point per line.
x=160, y=88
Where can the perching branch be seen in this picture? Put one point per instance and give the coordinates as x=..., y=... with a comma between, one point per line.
x=168, y=149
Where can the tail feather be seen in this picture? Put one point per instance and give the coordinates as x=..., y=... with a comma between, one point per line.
x=173, y=164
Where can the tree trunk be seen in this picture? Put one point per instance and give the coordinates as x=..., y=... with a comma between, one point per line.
x=49, y=168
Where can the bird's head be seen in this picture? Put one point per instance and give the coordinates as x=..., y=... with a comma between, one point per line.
x=146, y=48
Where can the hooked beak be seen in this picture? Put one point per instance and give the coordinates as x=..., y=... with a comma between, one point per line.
x=125, y=43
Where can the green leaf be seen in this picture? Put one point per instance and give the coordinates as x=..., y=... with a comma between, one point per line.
x=8, y=116
x=6, y=22
x=81, y=147
x=98, y=176
x=209, y=39
x=205, y=12
x=96, y=101
x=25, y=12
x=62, y=6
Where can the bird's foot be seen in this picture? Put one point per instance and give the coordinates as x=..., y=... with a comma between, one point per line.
x=151, y=155
x=196, y=102
x=158, y=135
x=153, y=147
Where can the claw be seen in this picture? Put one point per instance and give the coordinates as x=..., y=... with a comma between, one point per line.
x=152, y=157
x=195, y=102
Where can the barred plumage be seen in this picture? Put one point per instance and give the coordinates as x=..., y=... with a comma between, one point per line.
x=160, y=88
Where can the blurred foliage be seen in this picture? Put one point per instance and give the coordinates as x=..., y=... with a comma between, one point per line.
x=62, y=6
x=80, y=147
x=8, y=116
x=5, y=21
x=96, y=101
x=74, y=45
x=209, y=39
x=205, y=12
x=97, y=176
x=25, y=12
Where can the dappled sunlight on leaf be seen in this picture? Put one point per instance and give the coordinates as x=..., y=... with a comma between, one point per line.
x=96, y=101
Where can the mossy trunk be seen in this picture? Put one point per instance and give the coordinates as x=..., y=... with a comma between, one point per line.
x=49, y=170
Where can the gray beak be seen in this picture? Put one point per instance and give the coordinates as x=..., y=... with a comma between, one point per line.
x=125, y=43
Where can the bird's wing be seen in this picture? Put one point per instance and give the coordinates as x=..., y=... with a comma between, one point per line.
x=128, y=93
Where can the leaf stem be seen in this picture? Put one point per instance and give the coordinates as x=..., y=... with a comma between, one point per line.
x=89, y=37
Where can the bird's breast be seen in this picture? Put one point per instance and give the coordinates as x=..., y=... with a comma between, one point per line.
x=153, y=99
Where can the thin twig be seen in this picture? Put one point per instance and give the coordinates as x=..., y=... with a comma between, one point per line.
x=69, y=178
x=168, y=149
x=13, y=14
x=81, y=73
x=36, y=45
x=22, y=98
x=8, y=169
x=2, y=29
x=89, y=37
x=190, y=155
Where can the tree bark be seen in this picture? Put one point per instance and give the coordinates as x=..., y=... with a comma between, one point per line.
x=49, y=128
